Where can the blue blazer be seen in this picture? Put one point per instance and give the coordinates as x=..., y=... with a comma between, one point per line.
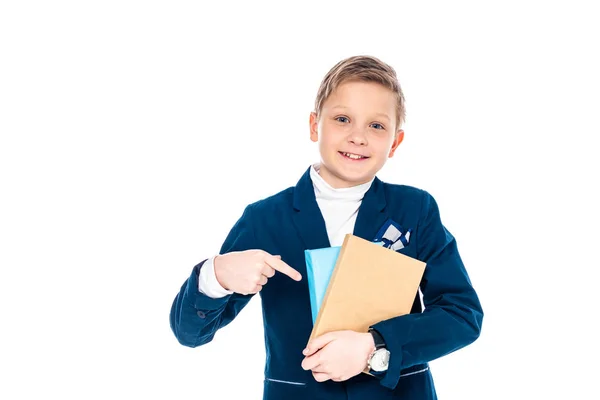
x=289, y=222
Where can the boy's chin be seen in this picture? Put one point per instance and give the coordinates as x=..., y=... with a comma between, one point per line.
x=350, y=174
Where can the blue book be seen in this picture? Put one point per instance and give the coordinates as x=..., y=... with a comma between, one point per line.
x=319, y=267
x=320, y=264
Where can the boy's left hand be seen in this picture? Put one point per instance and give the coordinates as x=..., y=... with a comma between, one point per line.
x=338, y=355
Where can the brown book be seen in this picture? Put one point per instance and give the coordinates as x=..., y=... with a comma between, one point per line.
x=370, y=283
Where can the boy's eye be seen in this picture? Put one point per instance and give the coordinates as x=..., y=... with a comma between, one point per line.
x=341, y=119
x=377, y=126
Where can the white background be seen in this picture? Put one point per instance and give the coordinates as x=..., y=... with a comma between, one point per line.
x=134, y=133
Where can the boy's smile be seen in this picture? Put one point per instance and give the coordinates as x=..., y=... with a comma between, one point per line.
x=356, y=131
x=352, y=156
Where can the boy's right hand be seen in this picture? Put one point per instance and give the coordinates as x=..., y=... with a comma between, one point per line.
x=246, y=272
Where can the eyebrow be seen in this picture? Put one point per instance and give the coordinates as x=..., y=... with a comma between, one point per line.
x=378, y=114
x=384, y=115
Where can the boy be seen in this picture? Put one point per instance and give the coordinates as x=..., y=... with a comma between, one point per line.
x=358, y=114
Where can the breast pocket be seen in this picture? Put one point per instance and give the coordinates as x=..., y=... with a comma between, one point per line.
x=408, y=251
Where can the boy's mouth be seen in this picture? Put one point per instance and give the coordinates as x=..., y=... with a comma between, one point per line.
x=352, y=156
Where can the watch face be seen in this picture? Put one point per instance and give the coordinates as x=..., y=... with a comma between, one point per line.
x=380, y=360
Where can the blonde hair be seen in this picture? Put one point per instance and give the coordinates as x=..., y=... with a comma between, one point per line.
x=366, y=69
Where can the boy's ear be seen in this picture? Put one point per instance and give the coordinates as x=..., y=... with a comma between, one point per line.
x=397, y=140
x=314, y=122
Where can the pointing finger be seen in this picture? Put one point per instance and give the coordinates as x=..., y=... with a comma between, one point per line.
x=267, y=271
x=278, y=265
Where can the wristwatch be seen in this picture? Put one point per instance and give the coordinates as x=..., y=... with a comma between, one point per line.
x=380, y=358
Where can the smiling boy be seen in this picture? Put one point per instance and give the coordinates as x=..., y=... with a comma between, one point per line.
x=359, y=111
x=369, y=138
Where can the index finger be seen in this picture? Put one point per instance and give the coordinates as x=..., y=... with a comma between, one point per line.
x=278, y=265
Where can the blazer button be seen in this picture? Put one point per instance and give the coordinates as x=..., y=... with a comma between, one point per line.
x=201, y=314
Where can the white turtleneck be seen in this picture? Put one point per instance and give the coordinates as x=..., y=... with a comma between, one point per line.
x=339, y=208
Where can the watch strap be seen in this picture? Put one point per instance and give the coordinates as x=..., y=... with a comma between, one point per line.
x=377, y=338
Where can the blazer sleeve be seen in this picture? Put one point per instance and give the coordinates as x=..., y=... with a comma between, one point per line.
x=196, y=317
x=453, y=314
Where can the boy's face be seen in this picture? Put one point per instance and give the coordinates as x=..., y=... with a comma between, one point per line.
x=358, y=118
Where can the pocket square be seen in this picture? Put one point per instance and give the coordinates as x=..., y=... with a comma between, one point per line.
x=393, y=236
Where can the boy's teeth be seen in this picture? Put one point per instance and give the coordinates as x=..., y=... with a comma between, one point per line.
x=353, y=156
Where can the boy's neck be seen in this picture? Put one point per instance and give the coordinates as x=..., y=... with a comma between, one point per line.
x=323, y=190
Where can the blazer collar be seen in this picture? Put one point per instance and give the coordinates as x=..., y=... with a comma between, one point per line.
x=310, y=223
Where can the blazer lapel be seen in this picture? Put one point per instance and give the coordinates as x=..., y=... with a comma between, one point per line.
x=310, y=223
x=372, y=212
x=307, y=215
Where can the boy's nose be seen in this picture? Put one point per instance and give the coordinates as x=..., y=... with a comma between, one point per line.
x=358, y=137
